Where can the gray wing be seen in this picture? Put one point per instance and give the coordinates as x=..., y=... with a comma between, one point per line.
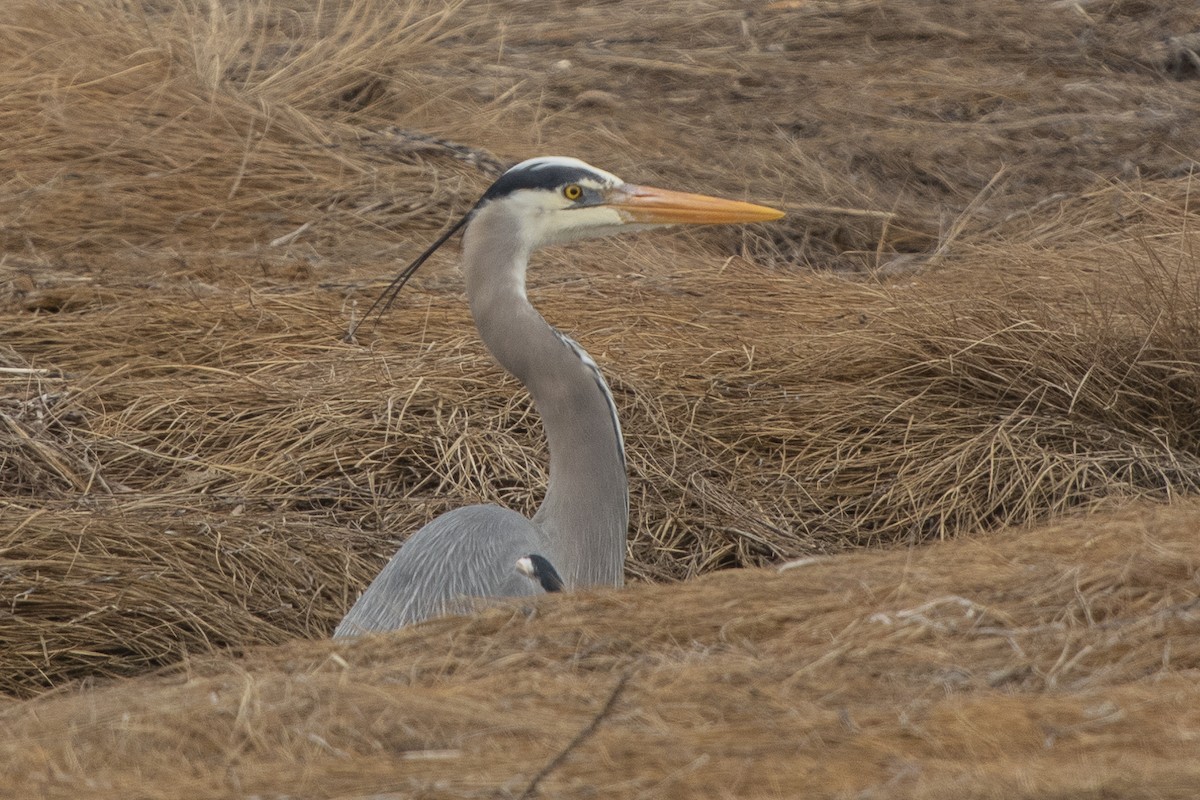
x=463, y=555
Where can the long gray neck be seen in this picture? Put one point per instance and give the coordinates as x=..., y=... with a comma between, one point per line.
x=585, y=513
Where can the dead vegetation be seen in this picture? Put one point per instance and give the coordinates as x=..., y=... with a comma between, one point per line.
x=1052, y=662
x=1000, y=329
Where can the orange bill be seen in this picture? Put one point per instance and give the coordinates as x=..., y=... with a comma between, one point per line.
x=665, y=207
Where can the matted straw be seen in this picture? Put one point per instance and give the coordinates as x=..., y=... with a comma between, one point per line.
x=1059, y=660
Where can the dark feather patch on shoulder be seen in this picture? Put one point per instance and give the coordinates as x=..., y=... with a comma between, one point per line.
x=545, y=573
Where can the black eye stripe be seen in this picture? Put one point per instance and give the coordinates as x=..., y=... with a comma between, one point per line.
x=545, y=177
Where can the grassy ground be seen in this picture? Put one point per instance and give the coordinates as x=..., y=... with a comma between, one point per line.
x=962, y=375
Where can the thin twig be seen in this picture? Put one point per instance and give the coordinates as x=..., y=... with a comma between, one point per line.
x=23, y=371
x=579, y=739
x=961, y=222
x=842, y=211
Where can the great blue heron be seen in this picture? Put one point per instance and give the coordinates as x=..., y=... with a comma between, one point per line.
x=579, y=531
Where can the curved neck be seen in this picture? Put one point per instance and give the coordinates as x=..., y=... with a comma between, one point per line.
x=585, y=513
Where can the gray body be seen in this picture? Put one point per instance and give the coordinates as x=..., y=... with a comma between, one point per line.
x=483, y=543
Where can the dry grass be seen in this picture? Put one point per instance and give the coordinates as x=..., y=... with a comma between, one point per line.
x=199, y=198
x=909, y=420
x=168, y=126
x=1052, y=662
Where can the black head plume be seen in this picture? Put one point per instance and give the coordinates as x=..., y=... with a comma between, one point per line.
x=388, y=296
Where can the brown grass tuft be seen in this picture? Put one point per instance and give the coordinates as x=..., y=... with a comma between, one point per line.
x=1031, y=663
x=169, y=126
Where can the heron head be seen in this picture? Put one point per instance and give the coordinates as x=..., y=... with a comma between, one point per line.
x=555, y=199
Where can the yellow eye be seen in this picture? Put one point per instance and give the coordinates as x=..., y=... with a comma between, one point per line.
x=572, y=191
